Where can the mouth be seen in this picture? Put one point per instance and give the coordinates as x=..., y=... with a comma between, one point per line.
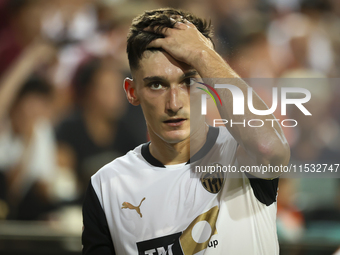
x=175, y=122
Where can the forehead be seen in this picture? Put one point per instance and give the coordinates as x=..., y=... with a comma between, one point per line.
x=160, y=63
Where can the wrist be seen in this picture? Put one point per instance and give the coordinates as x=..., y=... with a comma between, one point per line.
x=207, y=62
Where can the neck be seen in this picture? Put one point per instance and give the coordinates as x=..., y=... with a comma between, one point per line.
x=177, y=153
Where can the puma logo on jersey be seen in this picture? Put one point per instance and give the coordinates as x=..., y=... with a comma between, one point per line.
x=132, y=207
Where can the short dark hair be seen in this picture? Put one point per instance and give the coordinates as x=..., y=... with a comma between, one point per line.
x=84, y=76
x=15, y=6
x=35, y=85
x=138, y=39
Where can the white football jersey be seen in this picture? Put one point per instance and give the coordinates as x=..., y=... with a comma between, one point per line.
x=136, y=205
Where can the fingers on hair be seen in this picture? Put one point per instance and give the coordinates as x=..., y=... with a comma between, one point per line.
x=142, y=30
x=157, y=43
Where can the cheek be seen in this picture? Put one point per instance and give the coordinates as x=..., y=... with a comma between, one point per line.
x=35, y=107
x=149, y=99
x=152, y=108
x=185, y=94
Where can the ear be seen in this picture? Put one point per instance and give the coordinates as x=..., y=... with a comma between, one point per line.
x=129, y=87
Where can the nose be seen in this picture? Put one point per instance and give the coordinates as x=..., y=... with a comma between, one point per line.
x=174, y=103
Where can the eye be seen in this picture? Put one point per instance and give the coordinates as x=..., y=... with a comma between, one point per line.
x=155, y=86
x=190, y=81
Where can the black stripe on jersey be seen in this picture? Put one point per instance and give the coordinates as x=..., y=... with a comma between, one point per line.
x=264, y=190
x=148, y=157
x=96, y=237
x=211, y=140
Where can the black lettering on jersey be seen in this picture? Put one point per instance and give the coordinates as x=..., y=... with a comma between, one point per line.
x=212, y=182
x=213, y=244
x=166, y=245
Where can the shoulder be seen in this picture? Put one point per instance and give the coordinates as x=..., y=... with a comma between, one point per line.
x=72, y=119
x=106, y=182
x=69, y=126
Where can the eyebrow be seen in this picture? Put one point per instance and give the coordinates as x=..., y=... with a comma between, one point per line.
x=163, y=78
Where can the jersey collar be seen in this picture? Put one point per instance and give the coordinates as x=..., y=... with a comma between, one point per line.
x=211, y=140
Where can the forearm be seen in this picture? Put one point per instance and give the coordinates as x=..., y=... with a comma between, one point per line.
x=14, y=78
x=262, y=145
x=12, y=81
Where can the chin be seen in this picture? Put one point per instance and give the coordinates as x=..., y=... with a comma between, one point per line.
x=176, y=136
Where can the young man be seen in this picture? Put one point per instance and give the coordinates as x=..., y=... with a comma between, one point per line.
x=151, y=201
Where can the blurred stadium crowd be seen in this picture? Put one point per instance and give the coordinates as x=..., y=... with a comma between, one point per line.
x=63, y=112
